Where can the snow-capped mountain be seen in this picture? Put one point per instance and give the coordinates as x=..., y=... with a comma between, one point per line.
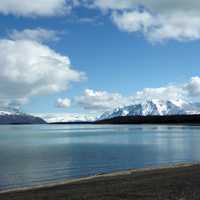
x=66, y=117
x=154, y=107
x=13, y=116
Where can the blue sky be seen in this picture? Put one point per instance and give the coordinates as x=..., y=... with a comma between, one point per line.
x=120, y=48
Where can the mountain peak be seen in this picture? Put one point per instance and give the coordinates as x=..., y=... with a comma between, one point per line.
x=151, y=107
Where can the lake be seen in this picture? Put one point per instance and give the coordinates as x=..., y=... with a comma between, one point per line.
x=40, y=154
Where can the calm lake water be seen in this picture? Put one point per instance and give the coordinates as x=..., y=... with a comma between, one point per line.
x=40, y=154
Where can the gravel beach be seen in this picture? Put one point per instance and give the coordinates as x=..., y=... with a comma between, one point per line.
x=181, y=182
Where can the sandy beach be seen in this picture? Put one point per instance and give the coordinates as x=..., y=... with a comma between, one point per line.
x=179, y=182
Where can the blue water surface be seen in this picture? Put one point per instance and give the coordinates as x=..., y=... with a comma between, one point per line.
x=40, y=154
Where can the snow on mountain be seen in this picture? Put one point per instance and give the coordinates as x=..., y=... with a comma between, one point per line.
x=66, y=117
x=13, y=116
x=154, y=107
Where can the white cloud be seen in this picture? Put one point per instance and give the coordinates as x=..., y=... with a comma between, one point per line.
x=165, y=93
x=189, y=91
x=100, y=100
x=193, y=87
x=155, y=6
x=63, y=103
x=110, y=4
x=12, y=103
x=39, y=34
x=157, y=28
x=34, y=7
x=133, y=21
x=157, y=20
x=103, y=101
x=30, y=68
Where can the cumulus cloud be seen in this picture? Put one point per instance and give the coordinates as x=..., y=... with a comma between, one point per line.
x=157, y=28
x=12, y=103
x=157, y=20
x=31, y=68
x=100, y=100
x=63, y=103
x=189, y=91
x=104, y=101
x=34, y=8
x=193, y=87
x=133, y=21
x=109, y=4
x=38, y=34
x=165, y=93
x=155, y=6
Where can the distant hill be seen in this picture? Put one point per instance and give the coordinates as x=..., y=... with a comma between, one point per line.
x=15, y=117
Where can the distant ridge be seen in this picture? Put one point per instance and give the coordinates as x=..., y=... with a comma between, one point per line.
x=16, y=117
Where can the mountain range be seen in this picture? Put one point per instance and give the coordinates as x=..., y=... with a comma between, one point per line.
x=154, y=108
x=147, y=108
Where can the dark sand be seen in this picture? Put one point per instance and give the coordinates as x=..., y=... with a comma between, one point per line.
x=181, y=182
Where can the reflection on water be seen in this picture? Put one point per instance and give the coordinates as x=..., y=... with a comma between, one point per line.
x=32, y=155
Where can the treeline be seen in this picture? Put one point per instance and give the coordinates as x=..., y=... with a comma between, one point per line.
x=169, y=119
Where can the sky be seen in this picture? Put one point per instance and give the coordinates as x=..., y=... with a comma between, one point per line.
x=84, y=57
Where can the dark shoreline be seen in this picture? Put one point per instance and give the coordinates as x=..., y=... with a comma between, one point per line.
x=151, y=119
x=188, y=119
x=180, y=181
